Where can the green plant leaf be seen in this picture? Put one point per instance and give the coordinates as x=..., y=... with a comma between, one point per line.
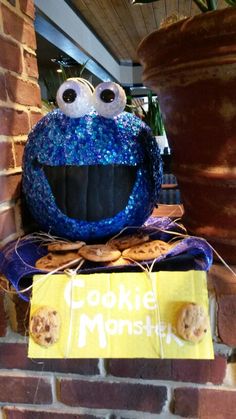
x=83, y=67
x=142, y=1
x=63, y=73
x=231, y=2
x=153, y=116
x=204, y=6
x=211, y=4
x=201, y=4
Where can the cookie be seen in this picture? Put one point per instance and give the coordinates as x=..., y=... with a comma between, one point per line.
x=118, y=262
x=146, y=251
x=45, y=326
x=65, y=246
x=192, y=322
x=130, y=240
x=53, y=261
x=99, y=253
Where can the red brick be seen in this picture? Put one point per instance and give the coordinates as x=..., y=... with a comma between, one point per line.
x=13, y=355
x=3, y=92
x=18, y=28
x=7, y=223
x=13, y=122
x=16, y=413
x=204, y=403
x=10, y=57
x=145, y=398
x=3, y=317
x=35, y=117
x=196, y=371
x=31, y=64
x=186, y=402
x=150, y=369
x=199, y=371
x=12, y=2
x=6, y=155
x=23, y=92
x=27, y=7
x=19, y=150
x=227, y=319
x=18, y=313
x=29, y=37
x=25, y=389
x=72, y=366
x=222, y=279
x=9, y=187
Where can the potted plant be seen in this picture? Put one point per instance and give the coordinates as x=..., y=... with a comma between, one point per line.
x=153, y=117
x=191, y=65
x=203, y=5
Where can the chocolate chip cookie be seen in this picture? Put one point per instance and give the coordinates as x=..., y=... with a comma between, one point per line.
x=146, y=251
x=45, y=326
x=99, y=253
x=128, y=241
x=192, y=322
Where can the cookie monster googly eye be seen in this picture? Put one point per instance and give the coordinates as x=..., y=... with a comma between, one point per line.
x=109, y=99
x=74, y=98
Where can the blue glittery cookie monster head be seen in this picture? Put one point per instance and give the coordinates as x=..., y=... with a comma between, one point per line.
x=90, y=169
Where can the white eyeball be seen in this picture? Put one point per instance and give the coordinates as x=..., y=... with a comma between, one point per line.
x=74, y=98
x=109, y=99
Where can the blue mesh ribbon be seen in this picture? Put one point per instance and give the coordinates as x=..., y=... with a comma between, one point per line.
x=17, y=261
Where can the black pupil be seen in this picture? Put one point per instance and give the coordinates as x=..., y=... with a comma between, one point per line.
x=69, y=95
x=107, y=96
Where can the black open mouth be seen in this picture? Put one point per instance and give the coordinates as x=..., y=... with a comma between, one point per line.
x=91, y=193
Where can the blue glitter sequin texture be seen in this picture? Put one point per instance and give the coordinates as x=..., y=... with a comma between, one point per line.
x=58, y=140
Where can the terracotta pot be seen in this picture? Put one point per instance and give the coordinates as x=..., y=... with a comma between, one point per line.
x=191, y=65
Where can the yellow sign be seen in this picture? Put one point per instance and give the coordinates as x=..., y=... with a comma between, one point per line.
x=120, y=315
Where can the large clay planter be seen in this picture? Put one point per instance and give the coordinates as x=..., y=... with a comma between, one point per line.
x=191, y=65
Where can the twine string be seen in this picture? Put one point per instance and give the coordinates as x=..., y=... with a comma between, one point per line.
x=72, y=274
x=157, y=311
x=45, y=238
x=48, y=237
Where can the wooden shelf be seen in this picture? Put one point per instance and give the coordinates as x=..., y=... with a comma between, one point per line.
x=172, y=211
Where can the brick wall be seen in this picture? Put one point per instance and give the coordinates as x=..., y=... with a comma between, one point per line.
x=19, y=105
x=121, y=388
x=70, y=389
